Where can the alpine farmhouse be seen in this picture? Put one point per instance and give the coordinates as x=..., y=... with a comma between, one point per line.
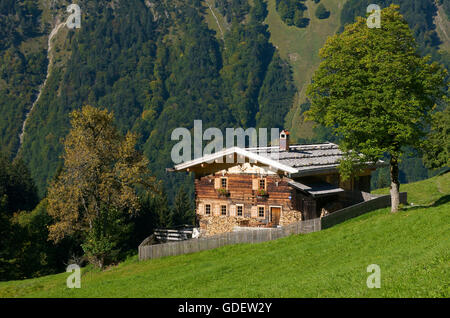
x=247, y=187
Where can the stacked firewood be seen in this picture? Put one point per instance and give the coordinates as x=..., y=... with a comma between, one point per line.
x=212, y=225
x=289, y=217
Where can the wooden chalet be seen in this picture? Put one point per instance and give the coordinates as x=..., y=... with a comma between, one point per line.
x=271, y=186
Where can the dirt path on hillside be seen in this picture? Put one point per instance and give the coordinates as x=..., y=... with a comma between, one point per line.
x=215, y=17
x=41, y=88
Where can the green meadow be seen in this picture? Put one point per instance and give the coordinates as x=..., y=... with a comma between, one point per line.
x=411, y=247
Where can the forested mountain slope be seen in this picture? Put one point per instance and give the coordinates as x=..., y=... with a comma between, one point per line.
x=161, y=64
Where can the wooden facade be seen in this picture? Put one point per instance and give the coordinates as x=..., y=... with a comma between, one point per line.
x=243, y=191
x=263, y=198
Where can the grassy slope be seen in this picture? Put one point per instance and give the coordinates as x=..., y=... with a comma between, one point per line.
x=411, y=247
x=425, y=192
x=300, y=46
x=211, y=20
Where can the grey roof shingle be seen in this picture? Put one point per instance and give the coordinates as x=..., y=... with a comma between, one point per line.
x=304, y=157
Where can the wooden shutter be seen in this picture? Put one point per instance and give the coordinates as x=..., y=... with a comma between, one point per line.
x=216, y=209
x=217, y=183
x=232, y=210
x=254, y=211
x=201, y=209
x=255, y=185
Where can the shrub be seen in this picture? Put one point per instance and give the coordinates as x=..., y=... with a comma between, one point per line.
x=322, y=12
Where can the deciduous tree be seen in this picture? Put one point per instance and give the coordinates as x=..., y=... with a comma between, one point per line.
x=96, y=185
x=376, y=92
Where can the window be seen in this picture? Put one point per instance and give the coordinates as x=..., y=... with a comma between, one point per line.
x=223, y=209
x=223, y=183
x=239, y=210
x=208, y=209
x=262, y=184
x=261, y=211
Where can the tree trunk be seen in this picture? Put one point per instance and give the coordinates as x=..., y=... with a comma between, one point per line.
x=395, y=185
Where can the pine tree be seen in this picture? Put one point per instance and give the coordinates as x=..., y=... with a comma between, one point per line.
x=163, y=211
x=182, y=211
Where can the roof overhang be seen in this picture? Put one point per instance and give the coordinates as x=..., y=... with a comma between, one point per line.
x=316, y=189
x=311, y=171
x=223, y=154
x=253, y=157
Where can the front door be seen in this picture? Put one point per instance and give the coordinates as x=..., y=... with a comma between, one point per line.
x=275, y=215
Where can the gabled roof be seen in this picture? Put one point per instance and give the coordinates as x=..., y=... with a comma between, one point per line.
x=251, y=155
x=298, y=161
x=307, y=157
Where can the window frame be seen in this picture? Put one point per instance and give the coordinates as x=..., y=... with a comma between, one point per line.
x=259, y=184
x=226, y=183
x=206, y=210
x=264, y=212
x=237, y=209
x=221, y=210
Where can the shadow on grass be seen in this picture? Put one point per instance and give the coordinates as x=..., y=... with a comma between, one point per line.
x=441, y=201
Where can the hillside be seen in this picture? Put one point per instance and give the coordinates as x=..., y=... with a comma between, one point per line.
x=142, y=83
x=412, y=249
x=300, y=46
x=161, y=64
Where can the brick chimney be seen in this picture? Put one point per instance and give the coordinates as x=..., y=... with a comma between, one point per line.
x=284, y=140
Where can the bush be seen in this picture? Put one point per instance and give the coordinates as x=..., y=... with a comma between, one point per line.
x=302, y=23
x=322, y=12
x=105, y=240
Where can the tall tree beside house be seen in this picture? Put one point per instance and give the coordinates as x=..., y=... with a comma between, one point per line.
x=376, y=92
x=95, y=191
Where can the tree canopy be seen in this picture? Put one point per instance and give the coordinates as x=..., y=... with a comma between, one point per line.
x=376, y=92
x=96, y=186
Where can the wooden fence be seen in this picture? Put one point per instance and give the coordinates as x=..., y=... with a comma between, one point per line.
x=215, y=241
x=262, y=234
x=358, y=209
